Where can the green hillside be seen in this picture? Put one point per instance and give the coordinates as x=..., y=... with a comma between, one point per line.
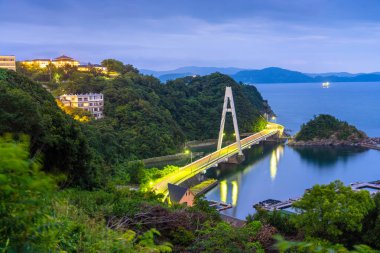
x=144, y=118
x=27, y=108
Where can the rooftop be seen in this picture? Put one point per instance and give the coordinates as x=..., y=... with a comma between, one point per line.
x=63, y=58
x=176, y=192
x=90, y=65
x=85, y=94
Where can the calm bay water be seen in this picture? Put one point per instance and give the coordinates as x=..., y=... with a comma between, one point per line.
x=281, y=172
x=356, y=103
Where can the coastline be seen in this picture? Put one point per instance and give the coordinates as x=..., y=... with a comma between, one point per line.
x=369, y=143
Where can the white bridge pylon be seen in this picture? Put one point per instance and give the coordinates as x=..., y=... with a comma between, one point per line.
x=228, y=97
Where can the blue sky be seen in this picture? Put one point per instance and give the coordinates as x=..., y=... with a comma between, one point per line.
x=304, y=35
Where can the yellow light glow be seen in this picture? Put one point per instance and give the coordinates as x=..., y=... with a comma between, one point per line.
x=235, y=192
x=187, y=151
x=274, y=160
x=223, y=191
x=273, y=165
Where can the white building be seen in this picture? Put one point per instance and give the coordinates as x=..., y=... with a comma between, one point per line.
x=8, y=62
x=92, y=102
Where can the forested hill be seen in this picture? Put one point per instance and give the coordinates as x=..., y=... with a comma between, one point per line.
x=196, y=105
x=326, y=129
x=27, y=108
x=272, y=75
x=144, y=118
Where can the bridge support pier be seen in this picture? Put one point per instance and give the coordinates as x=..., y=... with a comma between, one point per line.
x=236, y=159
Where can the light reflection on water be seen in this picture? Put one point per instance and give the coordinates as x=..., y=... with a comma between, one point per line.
x=281, y=172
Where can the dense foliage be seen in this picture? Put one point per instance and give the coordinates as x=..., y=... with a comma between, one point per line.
x=145, y=118
x=333, y=212
x=27, y=108
x=326, y=126
x=331, y=217
x=196, y=105
x=36, y=218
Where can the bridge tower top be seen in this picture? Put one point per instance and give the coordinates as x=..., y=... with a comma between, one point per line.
x=228, y=97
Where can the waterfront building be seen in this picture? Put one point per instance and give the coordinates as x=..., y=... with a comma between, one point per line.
x=92, y=102
x=8, y=62
x=89, y=67
x=64, y=60
x=181, y=195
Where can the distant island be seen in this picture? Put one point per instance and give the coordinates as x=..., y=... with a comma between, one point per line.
x=266, y=75
x=326, y=130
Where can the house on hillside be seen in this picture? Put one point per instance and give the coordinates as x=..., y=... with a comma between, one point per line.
x=64, y=60
x=92, y=102
x=59, y=62
x=180, y=195
x=8, y=62
x=89, y=67
x=41, y=63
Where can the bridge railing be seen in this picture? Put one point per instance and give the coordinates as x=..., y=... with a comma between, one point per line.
x=226, y=151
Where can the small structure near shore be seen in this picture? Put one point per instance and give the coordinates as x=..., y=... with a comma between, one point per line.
x=219, y=206
x=181, y=195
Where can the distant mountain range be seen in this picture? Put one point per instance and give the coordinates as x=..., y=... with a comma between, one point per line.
x=266, y=75
x=188, y=71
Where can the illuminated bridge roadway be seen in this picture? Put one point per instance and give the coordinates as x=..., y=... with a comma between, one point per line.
x=214, y=158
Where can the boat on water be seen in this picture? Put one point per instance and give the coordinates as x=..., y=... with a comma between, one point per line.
x=325, y=85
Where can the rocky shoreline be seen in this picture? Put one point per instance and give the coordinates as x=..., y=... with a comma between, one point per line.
x=335, y=142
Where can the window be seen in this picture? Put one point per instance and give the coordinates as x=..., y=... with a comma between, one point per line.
x=80, y=104
x=79, y=99
x=90, y=104
x=85, y=99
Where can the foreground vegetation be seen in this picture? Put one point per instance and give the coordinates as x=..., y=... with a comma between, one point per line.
x=38, y=217
x=331, y=217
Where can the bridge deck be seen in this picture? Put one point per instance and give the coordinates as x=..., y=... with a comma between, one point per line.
x=210, y=160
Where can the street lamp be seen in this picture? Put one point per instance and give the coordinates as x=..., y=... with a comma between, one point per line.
x=187, y=151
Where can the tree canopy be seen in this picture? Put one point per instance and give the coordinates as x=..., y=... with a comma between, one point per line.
x=325, y=126
x=333, y=212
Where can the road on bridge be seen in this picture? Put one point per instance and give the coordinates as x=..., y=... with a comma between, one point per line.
x=210, y=160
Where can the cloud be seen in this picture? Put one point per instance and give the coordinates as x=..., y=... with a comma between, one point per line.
x=248, y=34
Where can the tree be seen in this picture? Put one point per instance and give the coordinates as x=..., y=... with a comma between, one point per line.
x=333, y=212
x=113, y=65
x=371, y=225
x=225, y=238
x=284, y=246
x=25, y=223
